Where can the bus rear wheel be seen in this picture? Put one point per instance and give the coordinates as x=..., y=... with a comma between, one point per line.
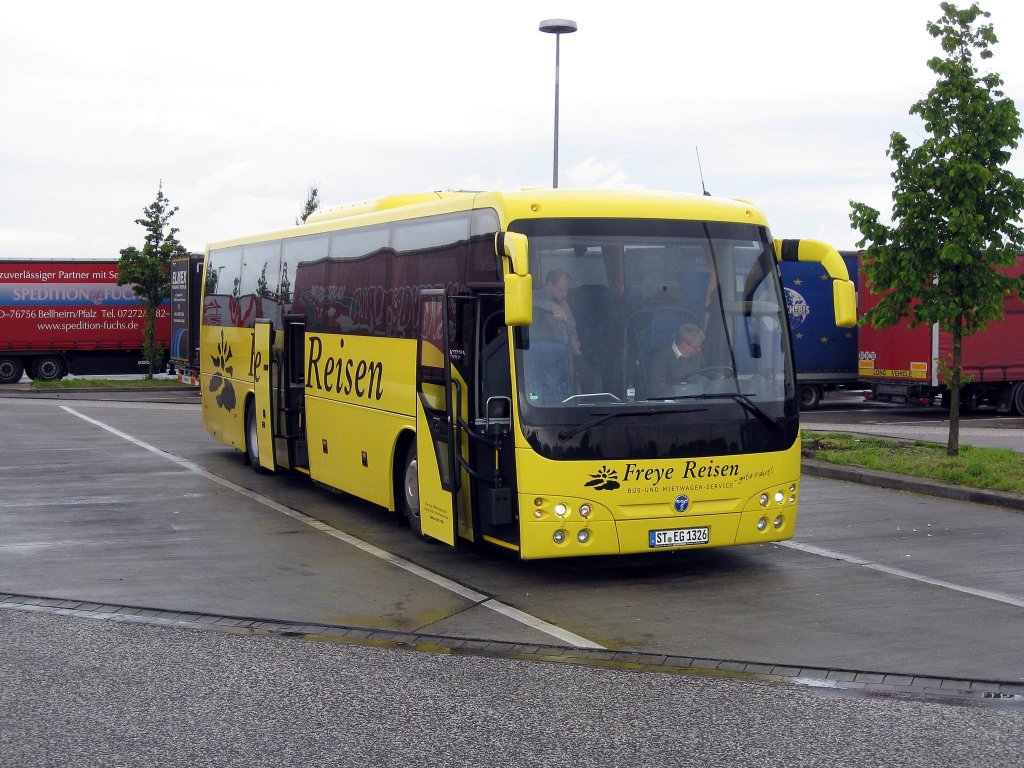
x=48, y=368
x=410, y=491
x=11, y=369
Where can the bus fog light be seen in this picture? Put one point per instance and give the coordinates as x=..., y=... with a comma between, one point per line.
x=762, y=523
x=538, y=513
x=561, y=509
x=583, y=536
x=559, y=536
x=764, y=499
x=778, y=521
x=585, y=510
x=779, y=497
x=538, y=502
x=792, y=499
x=792, y=487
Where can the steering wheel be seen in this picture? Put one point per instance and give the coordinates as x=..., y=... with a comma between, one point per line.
x=726, y=372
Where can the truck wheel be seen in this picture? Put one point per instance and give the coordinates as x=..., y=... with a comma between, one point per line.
x=810, y=396
x=1017, y=398
x=48, y=368
x=410, y=491
x=252, y=446
x=10, y=370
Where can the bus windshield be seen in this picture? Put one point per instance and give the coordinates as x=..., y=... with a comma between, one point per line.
x=654, y=338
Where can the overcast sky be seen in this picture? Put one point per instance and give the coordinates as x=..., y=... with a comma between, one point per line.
x=238, y=106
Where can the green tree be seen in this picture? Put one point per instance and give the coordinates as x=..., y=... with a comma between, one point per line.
x=149, y=270
x=312, y=204
x=956, y=208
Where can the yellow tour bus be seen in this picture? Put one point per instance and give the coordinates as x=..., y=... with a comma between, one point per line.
x=555, y=372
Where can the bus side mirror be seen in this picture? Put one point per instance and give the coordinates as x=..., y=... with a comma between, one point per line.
x=844, y=292
x=844, y=303
x=518, y=281
x=516, y=248
x=518, y=299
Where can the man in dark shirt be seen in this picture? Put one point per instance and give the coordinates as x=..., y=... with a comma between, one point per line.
x=552, y=318
x=554, y=342
x=677, y=363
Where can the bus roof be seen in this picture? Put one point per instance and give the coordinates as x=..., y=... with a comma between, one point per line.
x=523, y=204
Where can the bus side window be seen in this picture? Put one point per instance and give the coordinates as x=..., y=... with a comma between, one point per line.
x=223, y=275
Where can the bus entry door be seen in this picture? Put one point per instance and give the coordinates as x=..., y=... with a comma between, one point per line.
x=438, y=472
x=262, y=355
x=293, y=394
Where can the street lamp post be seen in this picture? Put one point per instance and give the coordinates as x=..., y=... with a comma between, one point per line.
x=557, y=27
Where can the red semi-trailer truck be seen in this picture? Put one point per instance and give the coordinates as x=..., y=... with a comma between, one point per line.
x=70, y=316
x=909, y=365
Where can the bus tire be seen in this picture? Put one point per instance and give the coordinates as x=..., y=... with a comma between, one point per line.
x=1017, y=398
x=810, y=396
x=409, y=487
x=11, y=369
x=48, y=368
x=252, y=446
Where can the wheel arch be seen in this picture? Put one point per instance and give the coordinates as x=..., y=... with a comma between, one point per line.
x=405, y=438
x=249, y=401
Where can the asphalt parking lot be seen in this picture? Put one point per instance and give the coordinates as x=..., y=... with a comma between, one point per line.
x=192, y=550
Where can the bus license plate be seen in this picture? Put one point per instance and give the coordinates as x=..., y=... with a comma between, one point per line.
x=679, y=537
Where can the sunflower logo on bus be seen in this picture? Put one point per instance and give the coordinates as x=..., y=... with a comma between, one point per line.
x=604, y=480
x=219, y=381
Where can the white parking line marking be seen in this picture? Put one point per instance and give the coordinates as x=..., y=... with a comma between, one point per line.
x=822, y=552
x=472, y=595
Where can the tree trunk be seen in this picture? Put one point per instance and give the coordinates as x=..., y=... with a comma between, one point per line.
x=150, y=350
x=953, y=443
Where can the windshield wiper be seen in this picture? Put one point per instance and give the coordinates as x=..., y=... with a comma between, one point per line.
x=565, y=434
x=748, y=405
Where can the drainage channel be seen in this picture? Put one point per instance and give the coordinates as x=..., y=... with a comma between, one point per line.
x=841, y=682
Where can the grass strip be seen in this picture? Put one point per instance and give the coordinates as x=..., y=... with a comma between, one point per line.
x=108, y=384
x=993, y=468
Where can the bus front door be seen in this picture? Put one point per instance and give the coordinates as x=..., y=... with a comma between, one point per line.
x=262, y=354
x=293, y=387
x=438, y=472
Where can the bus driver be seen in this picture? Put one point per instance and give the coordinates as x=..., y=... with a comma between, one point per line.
x=675, y=364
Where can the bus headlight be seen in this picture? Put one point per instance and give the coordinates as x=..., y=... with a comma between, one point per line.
x=559, y=536
x=583, y=536
x=584, y=511
x=762, y=523
x=778, y=521
x=561, y=509
x=764, y=499
x=779, y=497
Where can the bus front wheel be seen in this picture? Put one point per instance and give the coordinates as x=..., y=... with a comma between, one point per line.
x=410, y=487
x=252, y=446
